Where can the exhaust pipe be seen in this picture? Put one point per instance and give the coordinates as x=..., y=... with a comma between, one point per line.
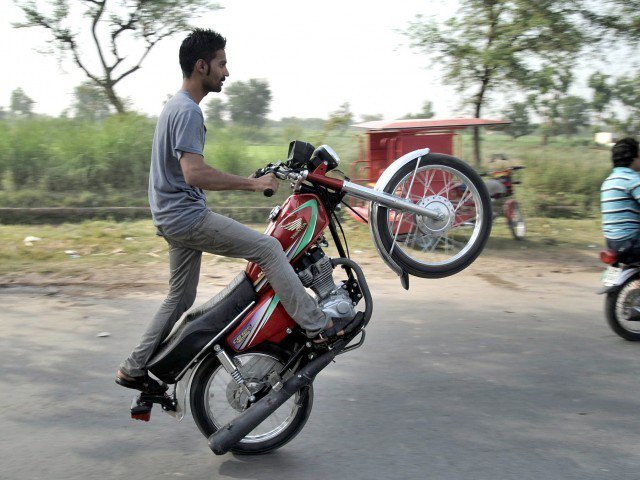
x=226, y=437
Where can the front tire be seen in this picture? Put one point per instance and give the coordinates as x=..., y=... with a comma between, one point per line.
x=437, y=248
x=216, y=399
x=620, y=308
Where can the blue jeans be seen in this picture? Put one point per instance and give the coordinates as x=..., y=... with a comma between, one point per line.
x=628, y=250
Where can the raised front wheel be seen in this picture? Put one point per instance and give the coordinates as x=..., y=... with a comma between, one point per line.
x=451, y=240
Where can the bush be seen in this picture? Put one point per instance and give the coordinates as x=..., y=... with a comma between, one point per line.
x=61, y=155
x=65, y=162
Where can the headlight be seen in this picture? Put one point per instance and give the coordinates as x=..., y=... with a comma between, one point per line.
x=324, y=153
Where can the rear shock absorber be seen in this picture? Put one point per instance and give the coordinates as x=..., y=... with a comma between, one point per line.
x=232, y=370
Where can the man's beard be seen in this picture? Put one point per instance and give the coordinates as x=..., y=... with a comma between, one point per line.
x=208, y=87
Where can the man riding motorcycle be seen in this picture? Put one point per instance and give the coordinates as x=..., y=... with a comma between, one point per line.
x=178, y=178
x=620, y=201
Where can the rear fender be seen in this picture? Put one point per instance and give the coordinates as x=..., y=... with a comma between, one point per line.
x=625, y=276
x=183, y=387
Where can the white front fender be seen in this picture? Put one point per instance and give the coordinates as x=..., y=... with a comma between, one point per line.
x=381, y=184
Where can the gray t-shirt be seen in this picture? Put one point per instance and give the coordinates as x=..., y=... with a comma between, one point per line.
x=175, y=206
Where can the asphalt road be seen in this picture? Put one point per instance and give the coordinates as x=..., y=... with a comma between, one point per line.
x=485, y=375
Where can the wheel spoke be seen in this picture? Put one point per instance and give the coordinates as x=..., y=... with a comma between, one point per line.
x=463, y=199
x=255, y=368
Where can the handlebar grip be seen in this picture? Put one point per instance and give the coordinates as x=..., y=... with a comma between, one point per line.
x=268, y=192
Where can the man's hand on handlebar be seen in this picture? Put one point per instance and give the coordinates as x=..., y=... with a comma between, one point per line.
x=266, y=183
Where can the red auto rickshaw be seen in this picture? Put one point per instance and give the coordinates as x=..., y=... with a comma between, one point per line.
x=384, y=142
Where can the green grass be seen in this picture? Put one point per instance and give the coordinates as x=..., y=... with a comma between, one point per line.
x=66, y=163
x=101, y=245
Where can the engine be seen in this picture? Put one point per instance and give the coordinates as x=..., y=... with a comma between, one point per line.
x=316, y=273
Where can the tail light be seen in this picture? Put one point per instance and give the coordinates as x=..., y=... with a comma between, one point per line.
x=608, y=256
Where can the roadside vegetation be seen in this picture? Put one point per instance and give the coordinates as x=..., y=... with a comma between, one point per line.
x=96, y=153
x=77, y=249
x=65, y=162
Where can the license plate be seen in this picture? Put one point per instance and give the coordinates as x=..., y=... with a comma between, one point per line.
x=610, y=276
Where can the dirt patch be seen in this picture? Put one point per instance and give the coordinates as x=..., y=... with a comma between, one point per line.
x=493, y=266
x=497, y=281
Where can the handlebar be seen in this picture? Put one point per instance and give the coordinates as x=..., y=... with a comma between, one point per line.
x=283, y=172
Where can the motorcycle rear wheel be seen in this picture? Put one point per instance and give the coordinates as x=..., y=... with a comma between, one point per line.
x=618, y=307
x=216, y=399
x=436, y=248
x=516, y=222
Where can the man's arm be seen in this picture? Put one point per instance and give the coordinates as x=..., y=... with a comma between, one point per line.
x=199, y=174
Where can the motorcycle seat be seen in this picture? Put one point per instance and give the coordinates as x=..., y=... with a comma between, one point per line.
x=199, y=327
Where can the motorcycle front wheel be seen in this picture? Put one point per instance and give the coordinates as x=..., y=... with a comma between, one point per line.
x=622, y=310
x=435, y=248
x=217, y=399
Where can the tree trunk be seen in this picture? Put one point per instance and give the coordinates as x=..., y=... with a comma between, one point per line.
x=476, y=145
x=113, y=98
x=476, y=130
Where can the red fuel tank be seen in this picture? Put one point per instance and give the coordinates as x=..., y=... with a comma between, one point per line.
x=299, y=223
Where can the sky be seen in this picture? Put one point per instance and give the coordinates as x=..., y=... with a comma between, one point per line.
x=315, y=56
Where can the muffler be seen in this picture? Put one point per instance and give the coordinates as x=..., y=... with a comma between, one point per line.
x=226, y=437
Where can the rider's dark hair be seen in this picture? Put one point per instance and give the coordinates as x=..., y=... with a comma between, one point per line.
x=624, y=152
x=200, y=44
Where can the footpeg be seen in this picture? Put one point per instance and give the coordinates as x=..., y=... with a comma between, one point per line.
x=140, y=409
x=142, y=404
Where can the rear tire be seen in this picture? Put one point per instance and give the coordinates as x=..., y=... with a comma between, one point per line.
x=216, y=400
x=515, y=221
x=618, y=307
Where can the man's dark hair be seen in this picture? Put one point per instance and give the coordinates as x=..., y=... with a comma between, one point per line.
x=624, y=152
x=200, y=44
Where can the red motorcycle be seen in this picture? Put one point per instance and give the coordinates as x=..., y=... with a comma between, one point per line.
x=247, y=368
x=500, y=185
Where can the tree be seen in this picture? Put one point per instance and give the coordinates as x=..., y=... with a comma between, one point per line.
x=494, y=44
x=427, y=111
x=548, y=86
x=627, y=92
x=110, y=23
x=90, y=102
x=573, y=114
x=602, y=93
x=21, y=104
x=249, y=102
x=340, y=119
x=518, y=114
x=216, y=109
x=371, y=117
x=624, y=22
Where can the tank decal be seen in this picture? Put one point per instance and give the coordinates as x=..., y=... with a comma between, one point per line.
x=246, y=336
x=308, y=234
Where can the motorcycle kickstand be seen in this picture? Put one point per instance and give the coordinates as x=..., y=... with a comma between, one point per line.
x=142, y=404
